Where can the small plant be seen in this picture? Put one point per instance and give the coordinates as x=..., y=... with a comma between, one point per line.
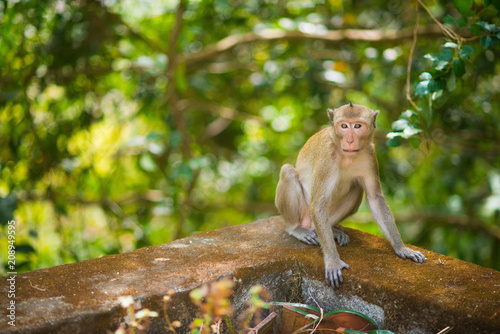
x=136, y=322
x=255, y=304
x=213, y=299
x=172, y=325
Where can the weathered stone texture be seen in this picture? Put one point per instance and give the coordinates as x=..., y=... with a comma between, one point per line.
x=398, y=294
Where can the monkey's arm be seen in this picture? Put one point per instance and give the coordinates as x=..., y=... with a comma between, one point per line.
x=385, y=220
x=333, y=263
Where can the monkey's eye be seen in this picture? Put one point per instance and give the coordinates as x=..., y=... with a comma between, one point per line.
x=357, y=126
x=344, y=126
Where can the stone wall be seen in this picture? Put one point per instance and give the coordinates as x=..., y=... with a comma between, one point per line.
x=398, y=294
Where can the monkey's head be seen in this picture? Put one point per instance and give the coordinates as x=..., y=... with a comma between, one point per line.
x=353, y=126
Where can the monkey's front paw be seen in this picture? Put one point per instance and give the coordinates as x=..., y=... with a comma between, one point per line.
x=333, y=274
x=407, y=253
x=341, y=237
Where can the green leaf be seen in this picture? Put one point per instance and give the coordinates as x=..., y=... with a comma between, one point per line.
x=486, y=41
x=428, y=86
x=441, y=65
x=446, y=55
x=409, y=114
x=422, y=88
x=436, y=85
x=465, y=51
x=487, y=26
x=439, y=61
x=411, y=131
x=7, y=207
x=425, y=76
x=432, y=57
x=395, y=141
x=400, y=125
x=442, y=60
x=463, y=6
x=458, y=67
x=437, y=94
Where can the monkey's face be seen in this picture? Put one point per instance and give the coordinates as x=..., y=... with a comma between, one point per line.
x=354, y=135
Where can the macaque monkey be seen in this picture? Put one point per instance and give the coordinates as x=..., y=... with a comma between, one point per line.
x=333, y=169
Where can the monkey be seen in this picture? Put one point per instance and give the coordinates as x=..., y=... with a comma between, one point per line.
x=332, y=171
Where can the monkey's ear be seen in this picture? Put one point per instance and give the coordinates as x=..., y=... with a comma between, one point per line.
x=330, y=115
x=375, y=118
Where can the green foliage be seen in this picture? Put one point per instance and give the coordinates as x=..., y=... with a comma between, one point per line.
x=121, y=128
x=463, y=6
x=214, y=301
x=448, y=67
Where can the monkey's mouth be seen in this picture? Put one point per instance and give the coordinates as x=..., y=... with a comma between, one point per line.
x=350, y=152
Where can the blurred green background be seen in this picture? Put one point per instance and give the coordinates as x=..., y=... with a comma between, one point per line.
x=132, y=123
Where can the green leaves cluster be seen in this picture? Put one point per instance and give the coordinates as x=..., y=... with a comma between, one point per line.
x=489, y=33
x=448, y=68
x=407, y=127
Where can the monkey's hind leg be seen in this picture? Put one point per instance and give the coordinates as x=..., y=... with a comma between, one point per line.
x=292, y=205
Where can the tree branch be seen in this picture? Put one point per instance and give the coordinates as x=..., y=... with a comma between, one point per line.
x=184, y=207
x=172, y=93
x=332, y=36
x=410, y=60
x=224, y=116
x=216, y=110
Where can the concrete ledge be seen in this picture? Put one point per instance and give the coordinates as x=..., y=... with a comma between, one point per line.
x=398, y=294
